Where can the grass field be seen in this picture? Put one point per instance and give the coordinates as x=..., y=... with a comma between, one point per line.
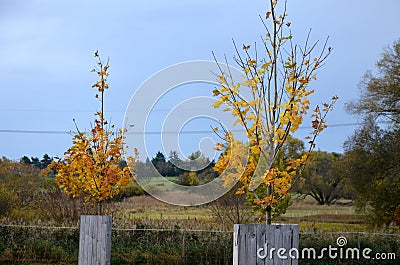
x=313, y=217
x=306, y=212
x=310, y=216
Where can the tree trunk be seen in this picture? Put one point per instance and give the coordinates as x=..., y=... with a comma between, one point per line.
x=268, y=215
x=100, y=208
x=268, y=210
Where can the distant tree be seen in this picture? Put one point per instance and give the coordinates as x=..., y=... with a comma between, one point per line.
x=197, y=161
x=192, y=179
x=173, y=156
x=159, y=158
x=145, y=171
x=46, y=160
x=372, y=153
x=42, y=164
x=380, y=92
x=322, y=178
x=8, y=200
x=160, y=163
x=189, y=179
x=36, y=162
x=26, y=160
x=195, y=155
x=174, y=164
x=170, y=169
x=19, y=184
x=372, y=158
x=294, y=148
x=208, y=173
x=201, y=165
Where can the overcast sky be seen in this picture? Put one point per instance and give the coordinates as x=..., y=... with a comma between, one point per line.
x=46, y=54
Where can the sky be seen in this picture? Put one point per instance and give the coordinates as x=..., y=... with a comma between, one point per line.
x=47, y=47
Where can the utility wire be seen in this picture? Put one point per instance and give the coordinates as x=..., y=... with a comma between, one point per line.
x=153, y=132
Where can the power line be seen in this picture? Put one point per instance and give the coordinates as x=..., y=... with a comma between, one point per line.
x=17, y=131
x=36, y=132
x=87, y=111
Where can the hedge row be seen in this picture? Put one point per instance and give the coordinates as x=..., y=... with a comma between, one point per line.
x=41, y=245
x=24, y=245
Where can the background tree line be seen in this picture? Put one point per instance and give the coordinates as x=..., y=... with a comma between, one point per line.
x=195, y=170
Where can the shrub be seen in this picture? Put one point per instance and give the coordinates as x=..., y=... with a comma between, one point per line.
x=7, y=201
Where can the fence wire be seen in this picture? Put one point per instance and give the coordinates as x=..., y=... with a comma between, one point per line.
x=60, y=245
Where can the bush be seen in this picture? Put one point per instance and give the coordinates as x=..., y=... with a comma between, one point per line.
x=26, y=244
x=378, y=243
x=7, y=201
x=132, y=189
x=23, y=244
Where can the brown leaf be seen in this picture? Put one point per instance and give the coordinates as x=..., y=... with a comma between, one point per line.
x=315, y=123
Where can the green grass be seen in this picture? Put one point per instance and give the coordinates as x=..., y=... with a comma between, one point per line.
x=160, y=183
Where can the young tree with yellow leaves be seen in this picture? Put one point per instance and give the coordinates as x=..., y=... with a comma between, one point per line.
x=90, y=167
x=270, y=104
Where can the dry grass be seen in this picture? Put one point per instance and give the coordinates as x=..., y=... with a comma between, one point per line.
x=309, y=215
x=147, y=206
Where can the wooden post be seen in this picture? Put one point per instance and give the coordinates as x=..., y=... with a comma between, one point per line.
x=95, y=240
x=260, y=244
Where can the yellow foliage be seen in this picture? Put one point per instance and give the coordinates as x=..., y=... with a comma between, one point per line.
x=277, y=101
x=91, y=166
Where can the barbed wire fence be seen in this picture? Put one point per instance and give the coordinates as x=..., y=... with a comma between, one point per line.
x=60, y=245
x=21, y=244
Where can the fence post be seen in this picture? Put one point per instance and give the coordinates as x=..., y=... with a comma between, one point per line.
x=95, y=240
x=276, y=244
